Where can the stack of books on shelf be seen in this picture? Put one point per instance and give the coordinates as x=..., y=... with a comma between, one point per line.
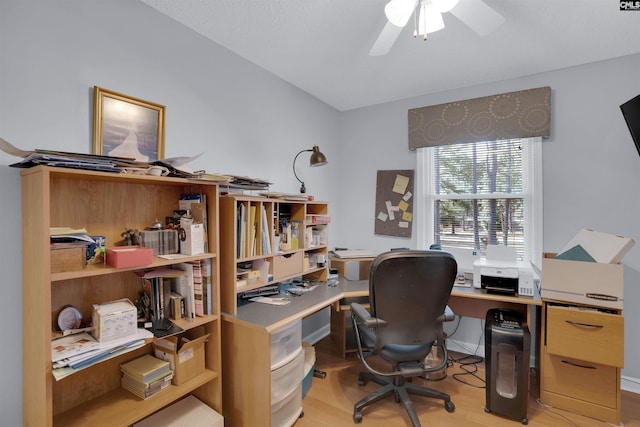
x=146, y=376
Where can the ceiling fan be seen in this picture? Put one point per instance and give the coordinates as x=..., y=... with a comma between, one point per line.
x=427, y=16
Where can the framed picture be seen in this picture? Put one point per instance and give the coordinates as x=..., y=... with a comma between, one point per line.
x=129, y=127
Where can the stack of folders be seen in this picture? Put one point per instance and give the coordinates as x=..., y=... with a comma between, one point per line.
x=145, y=376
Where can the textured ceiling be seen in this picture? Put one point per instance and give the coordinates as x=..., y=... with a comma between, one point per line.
x=322, y=46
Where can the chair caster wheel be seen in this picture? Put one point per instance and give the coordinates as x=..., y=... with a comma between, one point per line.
x=361, y=380
x=487, y=410
x=357, y=417
x=449, y=406
x=524, y=421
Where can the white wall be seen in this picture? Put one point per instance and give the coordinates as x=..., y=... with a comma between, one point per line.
x=245, y=120
x=591, y=170
x=248, y=122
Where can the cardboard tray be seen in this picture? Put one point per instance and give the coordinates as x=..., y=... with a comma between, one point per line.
x=590, y=283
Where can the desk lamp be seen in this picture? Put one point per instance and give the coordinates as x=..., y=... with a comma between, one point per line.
x=317, y=159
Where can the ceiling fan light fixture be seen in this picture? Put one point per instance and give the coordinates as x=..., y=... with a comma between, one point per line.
x=430, y=19
x=444, y=6
x=398, y=12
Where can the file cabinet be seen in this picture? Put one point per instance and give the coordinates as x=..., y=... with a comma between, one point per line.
x=582, y=356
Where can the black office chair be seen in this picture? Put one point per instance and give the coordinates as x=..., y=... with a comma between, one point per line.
x=408, y=295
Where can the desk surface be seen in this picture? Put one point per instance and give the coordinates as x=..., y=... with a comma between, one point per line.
x=273, y=317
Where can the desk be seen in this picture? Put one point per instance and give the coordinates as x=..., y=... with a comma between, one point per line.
x=464, y=301
x=247, y=354
x=246, y=339
x=352, y=268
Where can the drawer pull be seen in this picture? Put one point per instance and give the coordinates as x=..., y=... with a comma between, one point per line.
x=577, y=365
x=588, y=325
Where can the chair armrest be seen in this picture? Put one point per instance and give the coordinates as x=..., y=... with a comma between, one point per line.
x=447, y=316
x=365, y=318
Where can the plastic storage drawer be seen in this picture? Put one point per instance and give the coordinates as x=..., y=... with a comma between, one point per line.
x=286, y=378
x=286, y=343
x=286, y=412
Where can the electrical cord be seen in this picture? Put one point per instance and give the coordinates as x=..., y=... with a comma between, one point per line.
x=548, y=409
x=469, y=364
x=470, y=368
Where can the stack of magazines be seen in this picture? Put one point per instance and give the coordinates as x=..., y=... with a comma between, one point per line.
x=79, y=349
x=146, y=376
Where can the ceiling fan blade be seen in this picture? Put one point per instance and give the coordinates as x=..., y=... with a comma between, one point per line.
x=385, y=40
x=478, y=16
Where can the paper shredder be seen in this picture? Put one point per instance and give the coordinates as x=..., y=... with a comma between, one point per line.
x=507, y=344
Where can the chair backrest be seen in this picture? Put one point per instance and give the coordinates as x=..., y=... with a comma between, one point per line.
x=409, y=290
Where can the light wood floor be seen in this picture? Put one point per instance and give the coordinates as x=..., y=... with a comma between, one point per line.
x=330, y=401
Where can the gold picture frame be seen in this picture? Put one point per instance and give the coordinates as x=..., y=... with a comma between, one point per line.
x=124, y=126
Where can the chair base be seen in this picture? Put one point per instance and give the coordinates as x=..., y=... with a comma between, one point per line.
x=400, y=388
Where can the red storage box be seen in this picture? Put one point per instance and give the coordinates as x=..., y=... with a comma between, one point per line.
x=129, y=256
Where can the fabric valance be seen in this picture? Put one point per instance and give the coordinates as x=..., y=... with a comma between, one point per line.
x=520, y=114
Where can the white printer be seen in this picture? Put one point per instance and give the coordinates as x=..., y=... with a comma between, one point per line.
x=500, y=272
x=503, y=277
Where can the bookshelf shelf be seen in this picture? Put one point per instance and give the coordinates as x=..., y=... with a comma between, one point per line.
x=120, y=407
x=251, y=232
x=105, y=204
x=99, y=270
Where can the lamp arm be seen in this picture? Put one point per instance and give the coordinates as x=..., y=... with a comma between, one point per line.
x=294, y=165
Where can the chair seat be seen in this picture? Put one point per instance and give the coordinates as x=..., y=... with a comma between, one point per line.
x=405, y=353
x=396, y=352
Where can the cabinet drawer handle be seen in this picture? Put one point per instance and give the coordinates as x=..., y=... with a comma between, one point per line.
x=577, y=365
x=588, y=325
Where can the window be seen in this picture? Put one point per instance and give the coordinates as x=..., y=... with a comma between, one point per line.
x=476, y=194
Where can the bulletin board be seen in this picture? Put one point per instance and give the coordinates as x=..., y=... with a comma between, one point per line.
x=394, y=203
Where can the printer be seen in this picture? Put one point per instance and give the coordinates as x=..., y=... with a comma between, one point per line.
x=504, y=277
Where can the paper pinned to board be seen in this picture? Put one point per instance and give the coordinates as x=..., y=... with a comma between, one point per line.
x=401, y=183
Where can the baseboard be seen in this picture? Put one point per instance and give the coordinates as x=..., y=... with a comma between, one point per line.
x=630, y=384
x=465, y=347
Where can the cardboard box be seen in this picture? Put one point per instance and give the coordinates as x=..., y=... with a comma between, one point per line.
x=129, y=256
x=592, y=283
x=185, y=356
x=68, y=257
x=115, y=319
x=193, y=240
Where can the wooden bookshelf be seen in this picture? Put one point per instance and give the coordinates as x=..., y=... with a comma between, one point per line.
x=253, y=393
x=105, y=204
x=244, y=241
